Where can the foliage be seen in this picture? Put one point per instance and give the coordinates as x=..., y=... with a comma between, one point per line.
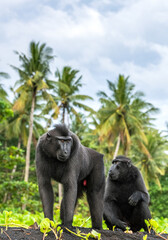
x=65, y=93
x=80, y=126
x=3, y=93
x=150, y=156
x=26, y=219
x=9, y=157
x=159, y=226
x=122, y=114
x=12, y=186
x=159, y=199
x=93, y=234
x=17, y=127
x=14, y=196
x=9, y=218
x=5, y=110
x=33, y=73
x=47, y=225
x=145, y=237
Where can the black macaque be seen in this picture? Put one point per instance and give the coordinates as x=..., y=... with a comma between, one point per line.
x=126, y=198
x=61, y=156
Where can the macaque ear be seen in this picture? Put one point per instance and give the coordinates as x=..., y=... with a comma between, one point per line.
x=48, y=136
x=129, y=164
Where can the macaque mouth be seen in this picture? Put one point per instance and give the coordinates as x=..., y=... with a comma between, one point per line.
x=112, y=176
x=62, y=157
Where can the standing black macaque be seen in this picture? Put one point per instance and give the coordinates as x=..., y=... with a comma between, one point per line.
x=126, y=197
x=61, y=156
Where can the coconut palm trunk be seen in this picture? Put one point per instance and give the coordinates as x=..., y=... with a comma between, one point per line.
x=26, y=178
x=63, y=115
x=27, y=167
x=117, y=147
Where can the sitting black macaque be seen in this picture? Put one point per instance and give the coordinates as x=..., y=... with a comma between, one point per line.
x=126, y=198
x=61, y=156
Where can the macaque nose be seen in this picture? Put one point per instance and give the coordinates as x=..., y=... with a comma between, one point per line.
x=65, y=151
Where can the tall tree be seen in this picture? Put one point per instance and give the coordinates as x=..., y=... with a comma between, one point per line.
x=123, y=113
x=66, y=89
x=33, y=81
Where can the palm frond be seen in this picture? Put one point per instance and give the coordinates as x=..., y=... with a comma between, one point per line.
x=80, y=97
x=83, y=106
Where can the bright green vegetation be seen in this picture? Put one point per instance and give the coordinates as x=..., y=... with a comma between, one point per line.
x=26, y=219
x=123, y=124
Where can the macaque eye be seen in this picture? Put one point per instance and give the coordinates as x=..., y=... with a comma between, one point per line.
x=118, y=167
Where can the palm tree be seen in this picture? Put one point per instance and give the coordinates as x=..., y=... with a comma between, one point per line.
x=66, y=89
x=123, y=114
x=150, y=157
x=33, y=81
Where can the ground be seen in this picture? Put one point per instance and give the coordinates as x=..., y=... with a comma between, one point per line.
x=35, y=234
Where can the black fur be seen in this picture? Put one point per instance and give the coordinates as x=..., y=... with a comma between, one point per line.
x=126, y=198
x=70, y=167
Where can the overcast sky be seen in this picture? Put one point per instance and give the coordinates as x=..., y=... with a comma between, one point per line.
x=100, y=38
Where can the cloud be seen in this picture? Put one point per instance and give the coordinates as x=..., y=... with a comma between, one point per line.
x=101, y=38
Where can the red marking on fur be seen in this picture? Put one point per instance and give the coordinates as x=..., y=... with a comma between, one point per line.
x=84, y=183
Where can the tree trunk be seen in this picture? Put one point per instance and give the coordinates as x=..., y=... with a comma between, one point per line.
x=26, y=178
x=60, y=192
x=117, y=147
x=126, y=151
x=19, y=142
x=68, y=123
x=63, y=114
